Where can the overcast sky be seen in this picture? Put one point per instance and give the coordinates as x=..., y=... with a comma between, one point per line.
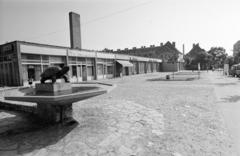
x=123, y=23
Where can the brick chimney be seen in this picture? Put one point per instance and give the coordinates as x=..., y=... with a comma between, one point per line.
x=174, y=44
x=75, y=31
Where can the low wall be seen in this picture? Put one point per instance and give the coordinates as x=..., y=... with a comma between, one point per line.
x=169, y=67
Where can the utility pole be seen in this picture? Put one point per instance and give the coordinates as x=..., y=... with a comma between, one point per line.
x=183, y=49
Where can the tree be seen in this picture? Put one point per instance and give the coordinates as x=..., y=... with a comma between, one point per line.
x=192, y=59
x=107, y=50
x=217, y=56
x=230, y=60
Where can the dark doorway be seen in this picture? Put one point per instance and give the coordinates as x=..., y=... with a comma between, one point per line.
x=31, y=73
x=119, y=69
x=126, y=70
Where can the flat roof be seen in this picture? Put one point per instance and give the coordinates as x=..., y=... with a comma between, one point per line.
x=87, y=50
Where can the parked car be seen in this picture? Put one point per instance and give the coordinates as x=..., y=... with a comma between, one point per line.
x=235, y=70
x=232, y=70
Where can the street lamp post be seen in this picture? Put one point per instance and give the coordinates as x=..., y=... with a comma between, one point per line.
x=199, y=68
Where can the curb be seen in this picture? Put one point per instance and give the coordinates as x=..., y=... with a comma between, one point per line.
x=16, y=107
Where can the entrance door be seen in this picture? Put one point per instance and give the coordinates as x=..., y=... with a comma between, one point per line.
x=31, y=73
x=84, y=73
x=126, y=70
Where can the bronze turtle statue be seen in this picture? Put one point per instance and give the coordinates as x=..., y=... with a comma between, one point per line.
x=55, y=73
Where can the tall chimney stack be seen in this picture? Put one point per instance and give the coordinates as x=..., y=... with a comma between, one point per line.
x=183, y=49
x=75, y=30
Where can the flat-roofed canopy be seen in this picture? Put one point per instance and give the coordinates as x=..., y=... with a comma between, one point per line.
x=125, y=63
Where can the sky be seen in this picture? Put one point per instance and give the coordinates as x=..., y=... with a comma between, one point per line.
x=119, y=24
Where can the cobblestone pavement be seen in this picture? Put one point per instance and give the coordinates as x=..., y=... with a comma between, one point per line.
x=138, y=118
x=227, y=90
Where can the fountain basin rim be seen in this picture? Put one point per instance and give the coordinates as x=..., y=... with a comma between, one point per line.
x=58, y=99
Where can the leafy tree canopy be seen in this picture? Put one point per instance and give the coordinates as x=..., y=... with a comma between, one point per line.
x=218, y=56
x=215, y=57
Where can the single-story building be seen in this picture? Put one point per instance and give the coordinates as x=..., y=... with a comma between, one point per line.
x=21, y=61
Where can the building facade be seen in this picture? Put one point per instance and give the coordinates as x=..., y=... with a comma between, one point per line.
x=172, y=58
x=236, y=48
x=21, y=61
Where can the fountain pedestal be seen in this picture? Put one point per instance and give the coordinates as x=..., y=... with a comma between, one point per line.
x=53, y=112
x=52, y=87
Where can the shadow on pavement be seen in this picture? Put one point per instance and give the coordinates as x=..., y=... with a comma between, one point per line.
x=12, y=122
x=234, y=98
x=22, y=134
x=224, y=84
x=175, y=79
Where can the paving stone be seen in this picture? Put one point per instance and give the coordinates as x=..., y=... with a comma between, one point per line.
x=123, y=151
x=75, y=147
x=138, y=117
x=41, y=152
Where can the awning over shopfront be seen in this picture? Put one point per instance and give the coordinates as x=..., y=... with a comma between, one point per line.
x=125, y=63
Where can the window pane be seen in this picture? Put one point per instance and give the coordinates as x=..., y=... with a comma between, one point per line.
x=74, y=71
x=80, y=71
x=100, y=69
x=109, y=69
x=90, y=70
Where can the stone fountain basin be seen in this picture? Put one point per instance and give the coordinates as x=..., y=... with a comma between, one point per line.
x=77, y=93
x=55, y=107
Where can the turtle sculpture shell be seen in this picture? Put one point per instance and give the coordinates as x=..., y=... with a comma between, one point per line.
x=50, y=71
x=54, y=73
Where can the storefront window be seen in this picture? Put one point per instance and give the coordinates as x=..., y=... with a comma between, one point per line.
x=31, y=72
x=74, y=70
x=81, y=60
x=45, y=59
x=89, y=61
x=1, y=73
x=149, y=66
x=109, y=69
x=57, y=59
x=72, y=60
x=100, y=69
x=37, y=72
x=32, y=57
x=45, y=67
x=90, y=70
x=100, y=60
x=80, y=70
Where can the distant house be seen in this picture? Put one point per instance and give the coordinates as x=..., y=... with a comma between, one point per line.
x=194, y=56
x=172, y=58
x=195, y=50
